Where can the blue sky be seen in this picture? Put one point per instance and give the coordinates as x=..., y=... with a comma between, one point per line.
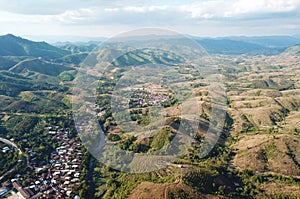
x=95, y=18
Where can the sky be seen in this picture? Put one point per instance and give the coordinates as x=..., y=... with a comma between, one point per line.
x=79, y=19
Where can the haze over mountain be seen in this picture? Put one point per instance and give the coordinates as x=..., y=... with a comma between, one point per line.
x=218, y=45
x=269, y=41
x=16, y=46
x=247, y=44
x=22, y=58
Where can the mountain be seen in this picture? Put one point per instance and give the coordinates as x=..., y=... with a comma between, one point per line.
x=220, y=45
x=247, y=45
x=17, y=46
x=228, y=46
x=269, y=41
x=39, y=66
x=79, y=48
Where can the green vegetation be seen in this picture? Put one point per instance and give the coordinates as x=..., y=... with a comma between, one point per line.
x=179, y=193
x=17, y=46
x=256, y=155
x=65, y=76
x=140, y=57
x=162, y=139
x=40, y=66
x=200, y=180
x=8, y=159
x=114, y=184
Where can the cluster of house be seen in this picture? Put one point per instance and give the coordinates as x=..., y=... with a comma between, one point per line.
x=143, y=99
x=58, y=177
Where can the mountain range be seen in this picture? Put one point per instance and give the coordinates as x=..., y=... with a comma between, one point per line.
x=20, y=55
x=256, y=155
x=16, y=46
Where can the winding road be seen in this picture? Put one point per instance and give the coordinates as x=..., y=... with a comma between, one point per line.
x=6, y=141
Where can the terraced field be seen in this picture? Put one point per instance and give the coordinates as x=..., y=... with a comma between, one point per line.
x=264, y=104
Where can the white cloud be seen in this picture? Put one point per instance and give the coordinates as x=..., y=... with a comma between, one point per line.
x=195, y=17
x=145, y=8
x=67, y=17
x=208, y=9
x=239, y=8
x=138, y=9
x=246, y=7
x=111, y=9
x=22, y=18
x=75, y=16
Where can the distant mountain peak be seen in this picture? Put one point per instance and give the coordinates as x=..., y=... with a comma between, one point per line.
x=12, y=45
x=11, y=36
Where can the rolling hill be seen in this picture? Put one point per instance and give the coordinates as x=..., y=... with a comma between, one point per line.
x=6, y=63
x=256, y=156
x=220, y=45
x=39, y=66
x=293, y=49
x=17, y=46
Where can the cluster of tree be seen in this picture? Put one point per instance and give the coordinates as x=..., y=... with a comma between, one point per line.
x=105, y=86
x=8, y=159
x=84, y=190
x=140, y=116
x=66, y=76
x=114, y=184
x=29, y=132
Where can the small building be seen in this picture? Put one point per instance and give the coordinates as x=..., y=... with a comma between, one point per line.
x=5, y=149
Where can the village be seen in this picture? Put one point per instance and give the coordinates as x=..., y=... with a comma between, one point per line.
x=144, y=99
x=53, y=179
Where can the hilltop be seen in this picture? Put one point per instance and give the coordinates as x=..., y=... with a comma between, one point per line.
x=16, y=46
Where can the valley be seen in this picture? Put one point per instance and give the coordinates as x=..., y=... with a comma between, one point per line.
x=256, y=155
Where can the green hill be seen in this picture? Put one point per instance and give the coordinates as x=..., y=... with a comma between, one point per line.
x=12, y=84
x=76, y=58
x=6, y=63
x=17, y=46
x=39, y=66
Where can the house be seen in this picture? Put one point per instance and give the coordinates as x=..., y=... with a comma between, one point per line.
x=37, y=182
x=22, y=193
x=68, y=193
x=52, y=132
x=5, y=149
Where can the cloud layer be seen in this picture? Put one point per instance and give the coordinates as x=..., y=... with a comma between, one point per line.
x=209, y=17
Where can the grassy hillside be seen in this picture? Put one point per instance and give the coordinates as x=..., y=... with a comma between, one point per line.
x=17, y=46
x=39, y=66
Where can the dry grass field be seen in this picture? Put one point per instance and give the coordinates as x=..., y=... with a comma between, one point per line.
x=258, y=154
